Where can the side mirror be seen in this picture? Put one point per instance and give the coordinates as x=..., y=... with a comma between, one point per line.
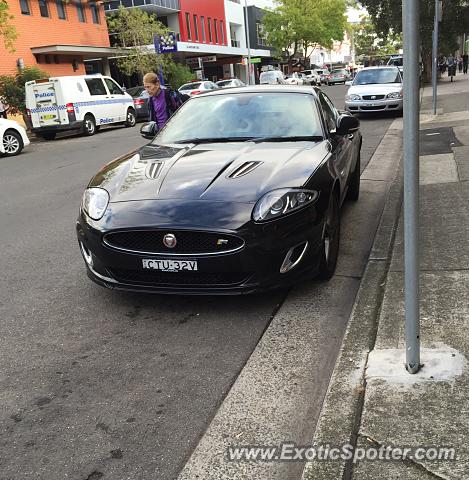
x=347, y=124
x=148, y=130
x=349, y=83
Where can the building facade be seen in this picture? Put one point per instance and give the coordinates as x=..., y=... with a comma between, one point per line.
x=61, y=38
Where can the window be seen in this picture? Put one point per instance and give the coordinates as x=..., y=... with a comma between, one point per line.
x=80, y=11
x=209, y=24
x=24, y=4
x=215, y=28
x=202, y=28
x=61, y=9
x=113, y=88
x=196, y=30
x=96, y=86
x=234, y=41
x=222, y=32
x=43, y=8
x=94, y=12
x=260, y=34
x=330, y=113
x=188, y=25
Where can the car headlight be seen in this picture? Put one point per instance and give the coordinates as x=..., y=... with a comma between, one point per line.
x=280, y=202
x=95, y=202
x=352, y=98
x=395, y=95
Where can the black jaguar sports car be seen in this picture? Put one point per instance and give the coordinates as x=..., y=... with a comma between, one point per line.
x=239, y=192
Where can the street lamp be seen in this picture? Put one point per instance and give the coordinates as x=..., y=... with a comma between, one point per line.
x=248, y=42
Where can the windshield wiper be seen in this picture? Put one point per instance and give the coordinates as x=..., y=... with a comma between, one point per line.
x=214, y=140
x=296, y=138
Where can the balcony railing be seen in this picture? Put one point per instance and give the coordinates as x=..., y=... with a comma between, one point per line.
x=167, y=4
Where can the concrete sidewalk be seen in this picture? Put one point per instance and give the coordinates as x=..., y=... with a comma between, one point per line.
x=372, y=402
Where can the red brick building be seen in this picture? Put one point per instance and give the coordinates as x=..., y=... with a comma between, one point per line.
x=58, y=36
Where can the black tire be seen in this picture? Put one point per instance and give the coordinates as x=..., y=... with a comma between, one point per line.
x=131, y=118
x=353, y=191
x=331, y=240
x=12, y=143
x=48, y=135
x=89, y=125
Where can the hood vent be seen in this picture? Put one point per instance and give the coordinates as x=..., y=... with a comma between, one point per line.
x=154, y=169
x=244, y=169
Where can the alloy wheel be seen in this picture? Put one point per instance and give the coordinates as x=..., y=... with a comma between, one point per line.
x=11, y=144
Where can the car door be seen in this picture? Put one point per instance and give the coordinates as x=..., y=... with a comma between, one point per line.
x=98, y=105
x=117, y=100
x=342, y=145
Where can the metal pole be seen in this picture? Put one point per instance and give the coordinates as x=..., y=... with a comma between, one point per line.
x=435, y=55
x=410, y=21
x=248, y=42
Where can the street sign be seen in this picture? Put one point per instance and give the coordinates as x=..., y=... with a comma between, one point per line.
x=166, y=43
x=256, y=60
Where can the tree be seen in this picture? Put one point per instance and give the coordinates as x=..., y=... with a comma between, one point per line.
x=135, y=30
x=301, y=24
x=387, y=15
x=176, y=74
x=13, y=91
x=7, y=30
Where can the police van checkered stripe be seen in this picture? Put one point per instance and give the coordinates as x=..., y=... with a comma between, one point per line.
x=77, y=105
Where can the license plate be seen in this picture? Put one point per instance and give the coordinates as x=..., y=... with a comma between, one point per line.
x=48, y=117
x=170, y=265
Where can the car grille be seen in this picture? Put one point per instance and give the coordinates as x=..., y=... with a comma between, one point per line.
x=373, y=97
x=156, y=278
x=378, y=107
x=188, y=242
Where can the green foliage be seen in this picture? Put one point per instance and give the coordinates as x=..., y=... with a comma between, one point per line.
x=135, y=30
x=368, y=43
x=12, y=88
x=7, y=30
x=176, y=74
x=296, y=24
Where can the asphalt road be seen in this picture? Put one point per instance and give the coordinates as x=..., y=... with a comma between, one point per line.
x=97, y=384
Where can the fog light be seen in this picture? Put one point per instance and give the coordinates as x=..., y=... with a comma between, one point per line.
x=293, y=257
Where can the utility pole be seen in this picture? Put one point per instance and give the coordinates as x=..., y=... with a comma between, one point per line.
x=411, y=26
x=248, y=43
x=436, y=24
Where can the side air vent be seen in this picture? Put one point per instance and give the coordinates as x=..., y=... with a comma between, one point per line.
x=154, y=169
x=244, y=169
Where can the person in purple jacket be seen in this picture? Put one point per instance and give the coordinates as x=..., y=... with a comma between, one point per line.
x=163, y=102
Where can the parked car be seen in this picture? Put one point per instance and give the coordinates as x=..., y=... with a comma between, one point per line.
x=375, y=89
x=247, y=199
x=323, y=74
x=339, y=75
x=272, y=77
x=397, y=61
x=294, y=79
x=13, y=138
x=195, y=88
x=231, y=82
x=140, y=98
x=312, y=77
x=82, y=102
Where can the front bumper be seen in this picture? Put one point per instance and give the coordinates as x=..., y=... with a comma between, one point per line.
x=363, y=106
x=253, y=268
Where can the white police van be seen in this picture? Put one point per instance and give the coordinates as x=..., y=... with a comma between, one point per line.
x=83, y=102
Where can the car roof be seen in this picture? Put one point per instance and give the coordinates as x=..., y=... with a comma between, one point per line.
x=380, y=67
x=265, y=89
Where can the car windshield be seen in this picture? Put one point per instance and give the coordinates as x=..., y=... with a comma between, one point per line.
x=243, y=116
x=135, y=91
x=224, y=83
x=191, y=86
x=339, y=71
x=377, y=76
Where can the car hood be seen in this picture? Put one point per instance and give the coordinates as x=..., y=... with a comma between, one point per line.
x=374, y=89
x=230, y=172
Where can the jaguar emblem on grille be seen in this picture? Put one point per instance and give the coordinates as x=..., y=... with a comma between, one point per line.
x=373, y=97
x=169, y=240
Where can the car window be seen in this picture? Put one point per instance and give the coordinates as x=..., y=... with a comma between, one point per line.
x=244, y=115
x=135, y=91
x=224, y=83
x=191, y=86
x=96, y=86
x=377, y=76
x=113, y=88
x=330, y=113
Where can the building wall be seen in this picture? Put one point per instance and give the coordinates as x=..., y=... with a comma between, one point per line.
x=208, y=9
x=35, y=31
x=235, y=17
